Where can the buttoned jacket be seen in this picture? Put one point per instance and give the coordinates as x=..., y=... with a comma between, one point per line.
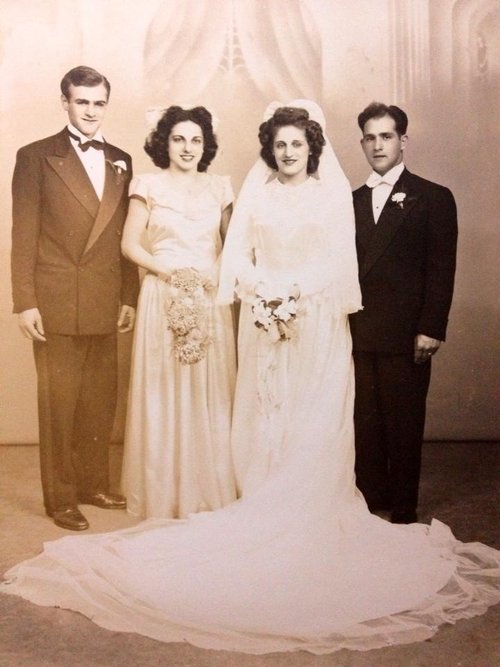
x=406, y=265
x=66, y=257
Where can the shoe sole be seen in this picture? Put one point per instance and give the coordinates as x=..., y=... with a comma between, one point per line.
x=66, y=527
x=103, y=507
x=61, y=524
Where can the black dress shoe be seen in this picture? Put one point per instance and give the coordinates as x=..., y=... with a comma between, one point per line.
x=404, y=516
x=106, y=501
x=70, y=518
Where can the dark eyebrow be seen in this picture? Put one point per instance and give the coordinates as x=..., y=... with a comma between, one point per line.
x=81, y=99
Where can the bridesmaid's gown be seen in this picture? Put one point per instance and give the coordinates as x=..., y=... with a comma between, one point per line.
x=177, y=457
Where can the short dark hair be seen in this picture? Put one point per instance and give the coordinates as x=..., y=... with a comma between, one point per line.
x=379, y=110
x=83, y=76
x=283, y=117
x=156, y=145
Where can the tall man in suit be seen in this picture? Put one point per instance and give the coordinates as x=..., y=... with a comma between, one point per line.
x=406, y=235
x=73, y=290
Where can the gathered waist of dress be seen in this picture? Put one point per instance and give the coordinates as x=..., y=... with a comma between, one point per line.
x=172, y=260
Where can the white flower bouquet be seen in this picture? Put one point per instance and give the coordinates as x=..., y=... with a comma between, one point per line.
x=186, y=311
x=276, y=316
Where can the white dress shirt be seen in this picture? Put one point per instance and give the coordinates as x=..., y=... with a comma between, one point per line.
x=382, y=186
x=92, y=159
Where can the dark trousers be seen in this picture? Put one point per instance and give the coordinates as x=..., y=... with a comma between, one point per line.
x=77, y=387
x=389, y=419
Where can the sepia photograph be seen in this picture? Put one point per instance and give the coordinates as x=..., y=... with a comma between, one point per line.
x=249, y=338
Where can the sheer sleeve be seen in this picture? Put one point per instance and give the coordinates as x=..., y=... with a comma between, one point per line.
x=238, y=275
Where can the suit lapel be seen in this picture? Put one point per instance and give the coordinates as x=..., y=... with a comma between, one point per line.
x=66, y=163
x=389, y=222
x=68, y=167
x=365, y=223
x=113, y=192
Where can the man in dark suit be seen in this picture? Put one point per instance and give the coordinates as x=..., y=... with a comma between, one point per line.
x=406, y=235
x=73, y=290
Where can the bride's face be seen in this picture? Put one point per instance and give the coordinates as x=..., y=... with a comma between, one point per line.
x=185, y=146
x=291, y=152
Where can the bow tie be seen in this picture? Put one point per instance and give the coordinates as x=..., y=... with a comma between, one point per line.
x=376, y=179
x=85, y=145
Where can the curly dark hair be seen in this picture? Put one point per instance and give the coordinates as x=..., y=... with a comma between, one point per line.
x=379, y=110
x=299, y=118
x=156, y=145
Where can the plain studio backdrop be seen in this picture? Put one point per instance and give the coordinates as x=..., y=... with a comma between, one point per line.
x=438, y=59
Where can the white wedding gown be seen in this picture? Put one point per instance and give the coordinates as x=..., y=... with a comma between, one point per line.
x=298, y=562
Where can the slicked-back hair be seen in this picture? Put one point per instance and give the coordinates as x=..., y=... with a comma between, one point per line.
x=156, y=145
x=83, y=76
x=379, y=110
x=283, y=117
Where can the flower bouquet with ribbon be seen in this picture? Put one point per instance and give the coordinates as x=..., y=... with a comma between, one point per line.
x=276, y=316
x=186, y=310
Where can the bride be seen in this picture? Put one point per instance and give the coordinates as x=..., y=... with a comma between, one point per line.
x=298, y=562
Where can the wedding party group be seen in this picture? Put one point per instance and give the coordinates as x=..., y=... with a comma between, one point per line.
x=281, y=359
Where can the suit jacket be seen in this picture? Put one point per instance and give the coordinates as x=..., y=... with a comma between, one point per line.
x=66, y=258
x=406, y=265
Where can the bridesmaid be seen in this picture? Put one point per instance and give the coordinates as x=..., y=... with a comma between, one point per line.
x=177, y=453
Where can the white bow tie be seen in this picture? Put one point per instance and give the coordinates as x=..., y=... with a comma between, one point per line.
x=375, y=179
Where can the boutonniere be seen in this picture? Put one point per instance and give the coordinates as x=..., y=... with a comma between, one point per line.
x=119, y=166
x=399, y=198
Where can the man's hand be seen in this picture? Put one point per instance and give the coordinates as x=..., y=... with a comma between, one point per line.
x=425, y=347
x=127, y=319
x=30, y=323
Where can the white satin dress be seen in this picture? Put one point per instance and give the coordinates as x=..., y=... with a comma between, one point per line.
x=177, y=457
x=298, y=563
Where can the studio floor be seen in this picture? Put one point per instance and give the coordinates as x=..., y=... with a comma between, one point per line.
x=459, y=487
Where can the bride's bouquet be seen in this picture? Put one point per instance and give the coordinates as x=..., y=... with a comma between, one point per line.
x=186, y=310
x=276, y=316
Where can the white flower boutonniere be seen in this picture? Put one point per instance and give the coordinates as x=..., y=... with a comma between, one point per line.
x=119, y=166
x=398, y=198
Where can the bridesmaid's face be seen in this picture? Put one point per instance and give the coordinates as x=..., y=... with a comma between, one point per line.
x=291, y=152
x=185, y=146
